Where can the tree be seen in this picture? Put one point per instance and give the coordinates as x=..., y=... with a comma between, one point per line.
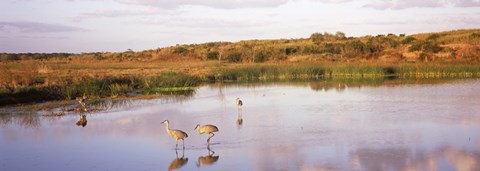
x=353, y=48
x=234, y=57
x=180, y=50
x=212, y=55
x=317, y=37
x=408, y=40
x=340, y=35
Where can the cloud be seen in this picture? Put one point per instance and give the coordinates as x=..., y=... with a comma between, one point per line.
x=31, y=27
x=335, y=1
x=467, y=3
x=403, y=4
x=209, y=23
x=462, y=20
x=221, y=4
x=122, y=13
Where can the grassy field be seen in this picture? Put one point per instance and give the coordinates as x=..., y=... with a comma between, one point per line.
x=25, y=81
x=38, y=77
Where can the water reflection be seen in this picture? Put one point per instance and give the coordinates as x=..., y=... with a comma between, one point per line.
x=30, y=120
x=178, y=162
x=339, y=84
x=29, y=115
x=209, y=159
x=444, y=158
x=83, y=120
x=338, y=127
x=239, y=121
x=109, y=104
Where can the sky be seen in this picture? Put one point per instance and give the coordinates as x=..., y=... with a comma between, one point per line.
x=77, y=26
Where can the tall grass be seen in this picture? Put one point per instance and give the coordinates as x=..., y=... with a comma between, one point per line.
x=182, y=83
x=438, y=71
x=105, y=87
x=265, y=72
x=122, y=86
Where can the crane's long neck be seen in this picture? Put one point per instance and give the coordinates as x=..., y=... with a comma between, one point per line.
x=198, y=128
x=167, y=127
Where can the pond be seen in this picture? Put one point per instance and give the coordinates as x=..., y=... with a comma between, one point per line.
x=320, y=125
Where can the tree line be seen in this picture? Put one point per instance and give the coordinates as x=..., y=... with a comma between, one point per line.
x=319, y=46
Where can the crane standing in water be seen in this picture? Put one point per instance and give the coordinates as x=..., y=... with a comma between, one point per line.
x=239, y=104
x=82, y=101
x=176, y=134
x=207, y=129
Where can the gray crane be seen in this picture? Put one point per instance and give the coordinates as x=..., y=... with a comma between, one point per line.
x=239, y=103
x=207, y=129
x=176, y=134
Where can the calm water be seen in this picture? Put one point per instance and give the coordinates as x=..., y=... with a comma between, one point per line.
x=283, y=126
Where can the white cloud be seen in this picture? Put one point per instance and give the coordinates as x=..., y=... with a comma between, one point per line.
x=221, y=4
x=468, y=3
x=335, y=1
x=29, y=27
x=403, y=4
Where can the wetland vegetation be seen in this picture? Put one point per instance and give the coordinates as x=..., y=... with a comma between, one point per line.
x=36, y=77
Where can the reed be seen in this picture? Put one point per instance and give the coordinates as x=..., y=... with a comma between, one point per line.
x=264, y=72
x=184, y=81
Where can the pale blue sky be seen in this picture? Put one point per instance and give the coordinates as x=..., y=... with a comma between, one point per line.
x=117, y=25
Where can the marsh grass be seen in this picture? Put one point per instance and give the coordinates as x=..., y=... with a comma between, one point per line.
x=20, y=86
x=264, y=72
x=164, y=83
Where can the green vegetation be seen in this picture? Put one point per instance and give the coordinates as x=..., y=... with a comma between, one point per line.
x=166, y=82
x=268, y=72
x=34, y=77
x=451, y=46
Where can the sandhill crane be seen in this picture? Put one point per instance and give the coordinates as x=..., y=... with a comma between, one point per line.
x=207, y=129
x=239, y=103
x=176, y=134
x=178, y=162
x=82, y=101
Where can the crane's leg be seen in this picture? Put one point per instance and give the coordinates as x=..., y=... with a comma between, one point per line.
x=176, y=145
x=183, y=141
x=208, y=140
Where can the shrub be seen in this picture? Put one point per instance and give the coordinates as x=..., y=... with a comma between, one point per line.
x=180, y=50
x=408, y=40
x=429, y=46
x=415, y=46
x=213, y=55
x=234, y=57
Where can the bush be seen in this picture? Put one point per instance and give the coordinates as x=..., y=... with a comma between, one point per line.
x=291, y=50
x=408, y=40
x=317, y=37
x=180, y=50
x=433, y=37
x=234, y=57
x=213, y=55
x=475, y=35
x=261, y=56
x=415, y=47
x=431, y=47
